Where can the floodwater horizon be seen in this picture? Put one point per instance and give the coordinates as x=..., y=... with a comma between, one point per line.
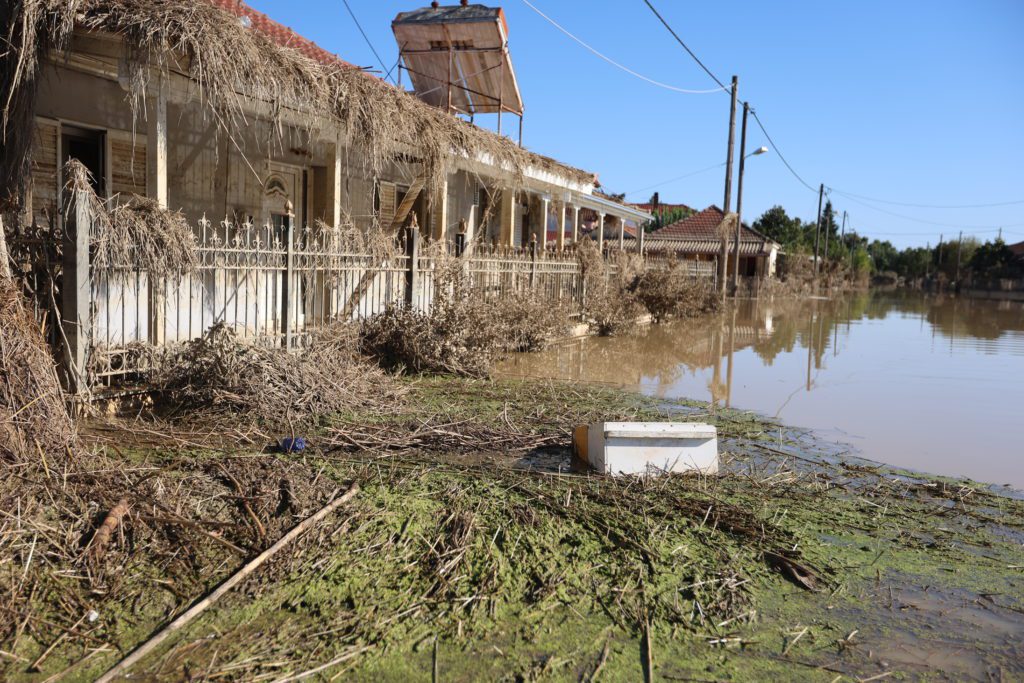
x=927, y=383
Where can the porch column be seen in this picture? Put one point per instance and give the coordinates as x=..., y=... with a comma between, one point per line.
x=640, y=238
x=575, y=224
x=561, y=225
x=545, y=214
x=600, y=231
x=156, y=188
x=336, y=185
x=622, y=233
x=507, y=218
x=76, y=293
x=439, y=218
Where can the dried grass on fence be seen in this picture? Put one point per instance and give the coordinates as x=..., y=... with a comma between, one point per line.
x=672, y=292
x=137, y=233
x=220, y=374
x=609, y=304
x=462, y=333
x=34, y=421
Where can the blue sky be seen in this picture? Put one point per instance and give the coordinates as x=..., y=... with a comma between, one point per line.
x=915, y=102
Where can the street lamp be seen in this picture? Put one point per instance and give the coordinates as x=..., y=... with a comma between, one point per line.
x=739, y=199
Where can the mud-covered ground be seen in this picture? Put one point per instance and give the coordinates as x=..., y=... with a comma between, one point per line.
x=476, y=550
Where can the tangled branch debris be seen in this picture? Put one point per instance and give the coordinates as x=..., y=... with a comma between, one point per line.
x=462, y=333
x=220, y=373
x=671, y=292
x=34, y=420
x=136, y=233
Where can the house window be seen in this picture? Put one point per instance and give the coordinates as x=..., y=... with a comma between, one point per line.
x=87, y=146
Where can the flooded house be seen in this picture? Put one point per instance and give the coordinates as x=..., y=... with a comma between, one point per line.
x=269, y=147
x=698, y=238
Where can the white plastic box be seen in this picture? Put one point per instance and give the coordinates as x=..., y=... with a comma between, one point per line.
x=652, y=447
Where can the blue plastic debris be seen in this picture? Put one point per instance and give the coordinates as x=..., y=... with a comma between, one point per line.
x=293, y=444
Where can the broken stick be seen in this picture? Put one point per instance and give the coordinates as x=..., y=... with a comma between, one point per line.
x=232, y=581
x=106, y=531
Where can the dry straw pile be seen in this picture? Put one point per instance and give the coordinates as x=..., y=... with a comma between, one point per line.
x=136, y=233
x=221, y=375
x=462, y=333
x=34, y=421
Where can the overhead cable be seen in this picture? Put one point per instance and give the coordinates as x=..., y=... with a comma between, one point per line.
x=617, y=65
x=367, y=39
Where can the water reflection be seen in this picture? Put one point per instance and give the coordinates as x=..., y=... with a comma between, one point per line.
x=877, y=369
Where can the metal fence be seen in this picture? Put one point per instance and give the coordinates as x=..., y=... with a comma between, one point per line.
x=276, y=286
x=271, y=284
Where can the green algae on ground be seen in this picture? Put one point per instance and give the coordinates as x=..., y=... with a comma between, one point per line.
x=478, y=570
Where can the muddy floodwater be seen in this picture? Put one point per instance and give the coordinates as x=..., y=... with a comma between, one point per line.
x=934, y=384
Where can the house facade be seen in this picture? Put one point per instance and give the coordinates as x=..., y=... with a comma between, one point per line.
x=699, y=238
x=268, y=145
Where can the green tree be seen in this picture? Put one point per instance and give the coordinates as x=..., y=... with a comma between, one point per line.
x=993, y=260
x=777, y=224
x=883, y=256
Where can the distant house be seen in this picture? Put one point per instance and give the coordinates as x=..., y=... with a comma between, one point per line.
x=1017, y=249
x=699, y=238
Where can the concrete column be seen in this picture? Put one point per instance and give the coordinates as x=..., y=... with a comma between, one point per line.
x=622, y=233
x=545, y=214
x=575, y=224
x=156, y=188
x=600, y=231
x=561, y=226
x=77, y=293
x=439, y=218
x=336, y=185
x=507, y=217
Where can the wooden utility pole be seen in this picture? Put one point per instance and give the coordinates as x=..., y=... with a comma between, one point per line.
x=817, y=228
x=727, y=202
x=739, y=203
x=959, y=247
x=828, y=229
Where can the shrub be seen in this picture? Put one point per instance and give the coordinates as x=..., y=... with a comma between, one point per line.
x=667, y=292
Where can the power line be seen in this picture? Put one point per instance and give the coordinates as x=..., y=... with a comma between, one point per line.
x=617, y=64
x=672, y=180
x=679, y=40
x=367, y=39
x=990, y=228
x=926, y=206
x=779, y=151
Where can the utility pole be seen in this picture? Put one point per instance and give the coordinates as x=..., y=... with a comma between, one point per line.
x=828, y=229
x=724, y=256
x=817, y=228
x=959, y=246
x=842, y=231
x=739, y=203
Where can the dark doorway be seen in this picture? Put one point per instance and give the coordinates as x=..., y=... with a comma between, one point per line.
x=87, y=146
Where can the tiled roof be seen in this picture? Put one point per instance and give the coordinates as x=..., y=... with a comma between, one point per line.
x=279, y=33
x=1017, y=249
x=698, y=234
x=703, y=247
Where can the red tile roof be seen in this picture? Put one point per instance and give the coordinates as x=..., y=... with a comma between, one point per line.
x=702, y=225
x=279, y=33
x=698, y=234
x=1017, y=249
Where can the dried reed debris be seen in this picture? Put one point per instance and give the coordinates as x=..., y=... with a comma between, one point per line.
x=34, y=421
x=136, y=233
x=220, y=373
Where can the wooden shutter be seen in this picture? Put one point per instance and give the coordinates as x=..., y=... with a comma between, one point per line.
x=127, y=164
x=45, y=191
x=388, y=195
